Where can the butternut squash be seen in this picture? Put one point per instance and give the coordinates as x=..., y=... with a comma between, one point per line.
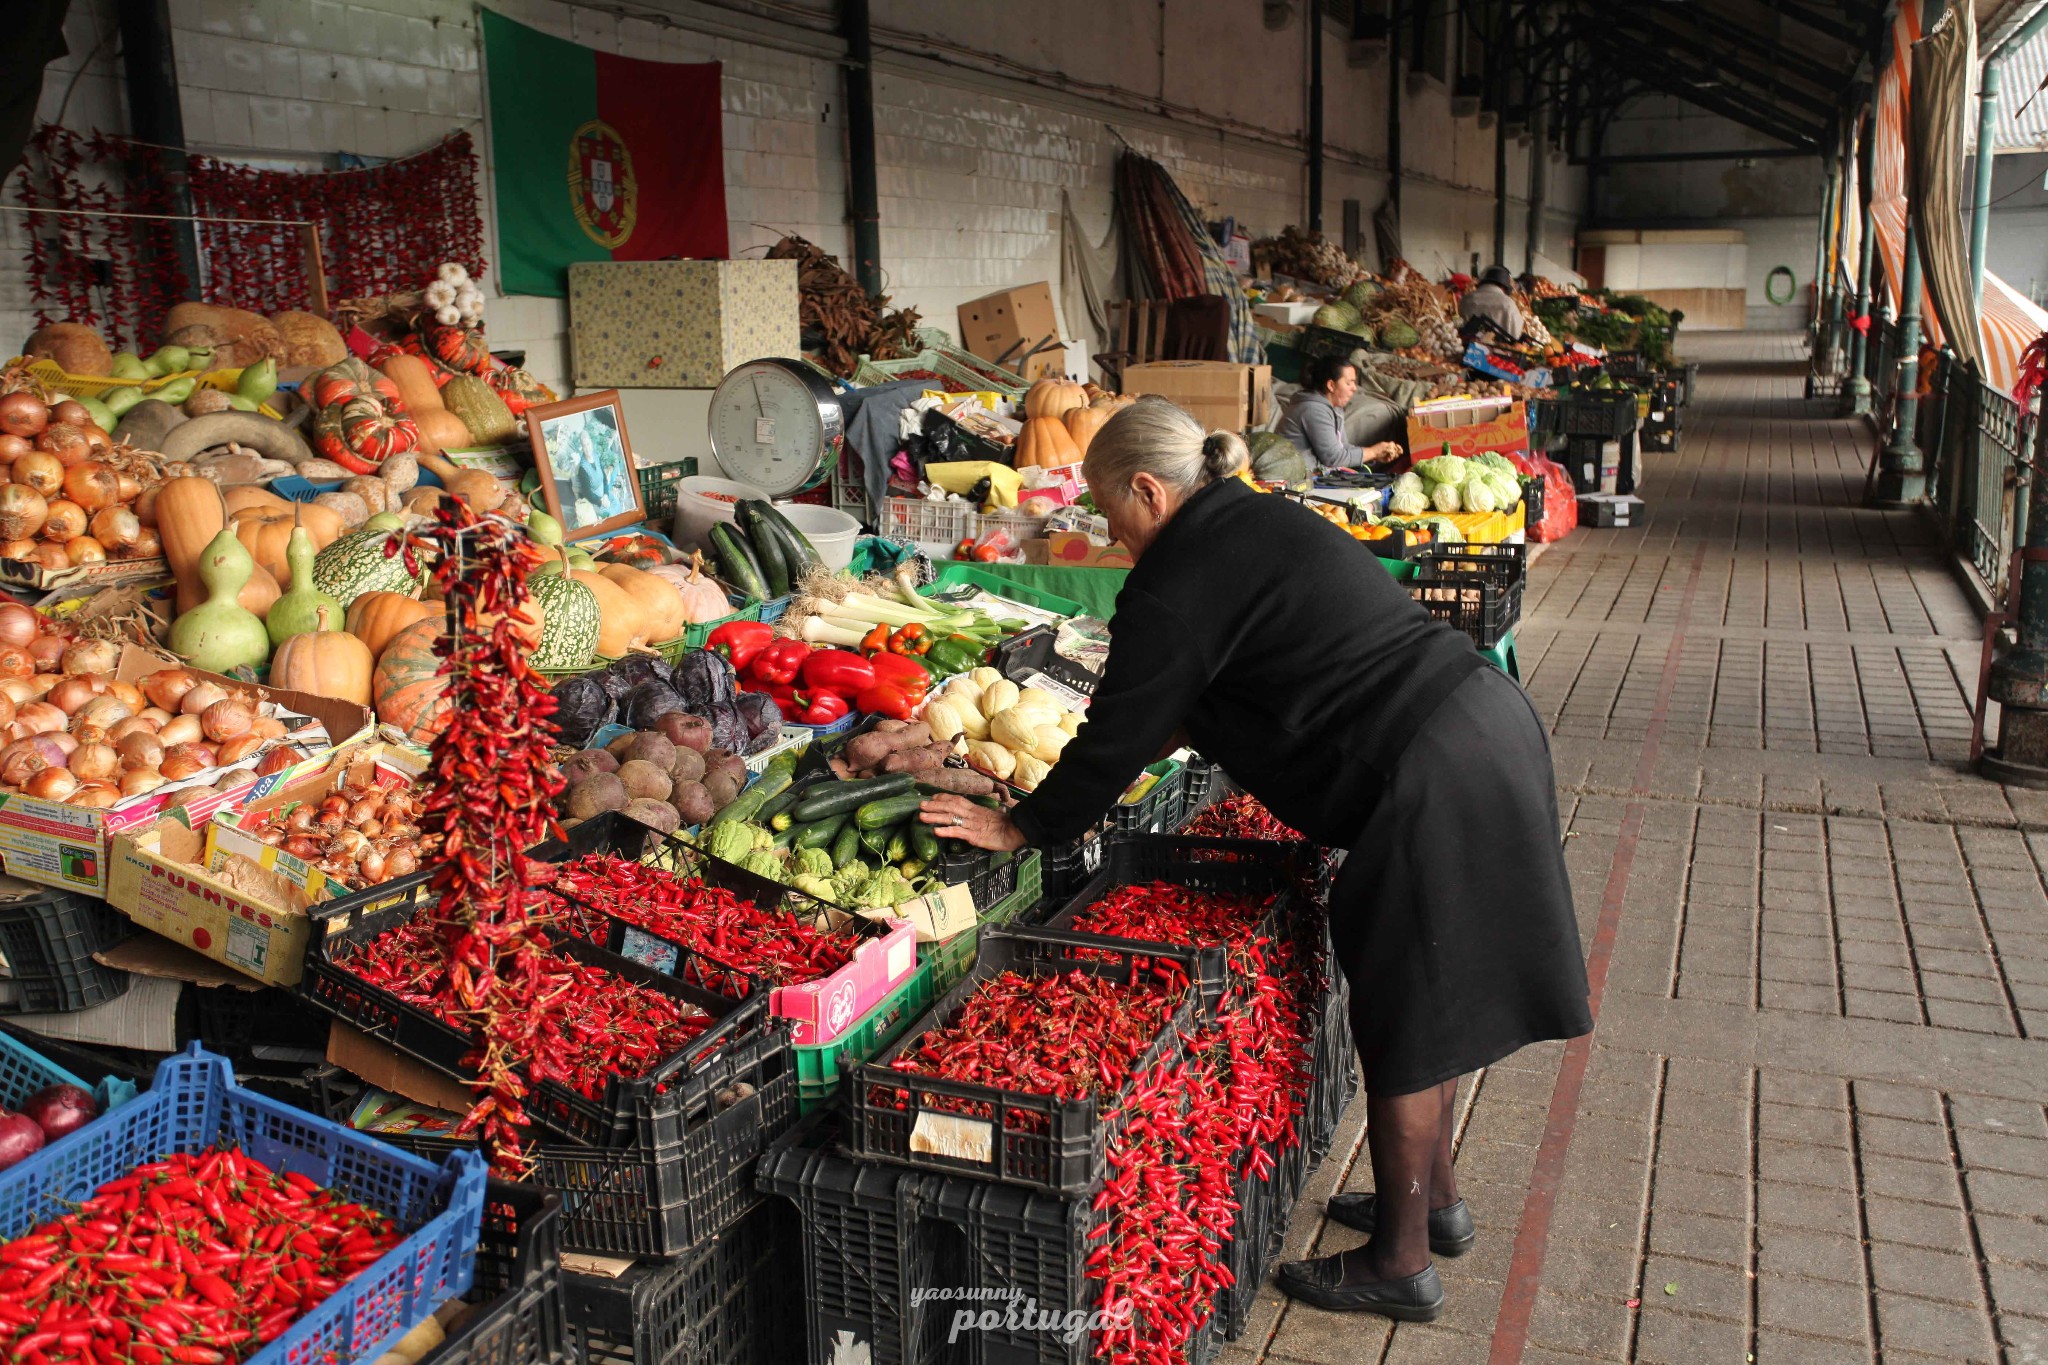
x=439, y=428
x=620, y=621
x=660, y=604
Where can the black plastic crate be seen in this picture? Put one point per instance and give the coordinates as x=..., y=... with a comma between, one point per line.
x=1476, y=588
x=1066, y=867
x=861, y=1252
x=1201, y=781
x=1244, y=867
x=1032, y=651
x=723, y=1304
x=523, y=1319
x=1159, y=810
x=1063, y=1151
x=990, y=877
x=1256, y=1236
x=243, y=1026
x=47, y=939
x=1505, y=564
x=1336, y=1077
x=1607, y=413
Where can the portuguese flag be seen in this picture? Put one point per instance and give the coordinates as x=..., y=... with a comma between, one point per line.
x=598, y=158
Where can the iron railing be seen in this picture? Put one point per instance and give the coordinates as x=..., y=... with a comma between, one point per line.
x=1977, y=439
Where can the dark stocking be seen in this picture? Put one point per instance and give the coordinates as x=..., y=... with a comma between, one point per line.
x=1404, y=1133
x=1443, y=1180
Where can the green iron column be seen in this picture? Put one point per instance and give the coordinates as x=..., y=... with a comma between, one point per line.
x=1856, y=392
x=2019, y=676
x=1902, y=473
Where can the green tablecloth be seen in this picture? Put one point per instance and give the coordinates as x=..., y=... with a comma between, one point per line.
x=1095, y=589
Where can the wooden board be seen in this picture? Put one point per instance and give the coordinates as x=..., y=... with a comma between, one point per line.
x=1706, y=310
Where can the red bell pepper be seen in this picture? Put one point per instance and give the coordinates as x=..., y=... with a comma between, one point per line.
x=838, y=670
x=912, y=639
x=905, y=675
x=820, y=708
x=884, y=699
x=875, y=641
x=781, y=661
x=739, y=642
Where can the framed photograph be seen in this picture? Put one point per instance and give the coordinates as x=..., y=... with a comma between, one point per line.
x=585, y=461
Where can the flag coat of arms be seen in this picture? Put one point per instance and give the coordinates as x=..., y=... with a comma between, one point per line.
x=599, y=158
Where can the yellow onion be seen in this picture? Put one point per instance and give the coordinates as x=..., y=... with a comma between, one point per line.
x=167, y=687
x=138, y=781
x=139, y=749
x=51, y=784
x=201, y=695
x=94, y=762
x=181, y=730
x=18, y=625
x=228, y=719
x=95, y=795
x=90, y=656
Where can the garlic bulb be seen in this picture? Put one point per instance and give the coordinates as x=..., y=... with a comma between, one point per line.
x=440, y=294
x=448, y=316
x=454, y=273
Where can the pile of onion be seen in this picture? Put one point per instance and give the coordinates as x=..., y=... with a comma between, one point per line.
x=62, y=504
x=80, y=736
x=359, y=835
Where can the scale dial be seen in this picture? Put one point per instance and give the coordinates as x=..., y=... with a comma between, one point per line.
x=776, y=424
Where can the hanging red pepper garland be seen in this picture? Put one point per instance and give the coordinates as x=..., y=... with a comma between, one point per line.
x=491, y=793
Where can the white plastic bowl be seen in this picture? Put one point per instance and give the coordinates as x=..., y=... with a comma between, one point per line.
x=696, y=513
x=830, y=531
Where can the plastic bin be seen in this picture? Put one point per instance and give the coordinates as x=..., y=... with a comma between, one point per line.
x=1159, y=810
x=952, y=960
x=818, y=1068
x=525, y=1319
x=48, y=939
x=934, y=526
x=1063, y=1152
x=658, y=485
x=726, y=1303
x=194, y=1105
x=23, y=1071
x=953, y=574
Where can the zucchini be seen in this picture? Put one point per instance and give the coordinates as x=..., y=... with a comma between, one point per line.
x=749, y=802
x=842, y=798
x=888, y=810
x=910, y=867
x=845, y=844
x=801, y=553
x=736, y=560
x=767, y=546
x=820, y=833
x=924, y=845
x=773, y=812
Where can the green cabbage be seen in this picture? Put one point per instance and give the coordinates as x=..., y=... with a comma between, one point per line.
x=1339, y=317
x=1444, y=497
x=1443, y=469
x=1494, y=460
x=1507, y=490
x=1408, y=502
x=763, y=863
x=1477, y=494
x=1360, y=292
x=815, y=861
x=1396, y=333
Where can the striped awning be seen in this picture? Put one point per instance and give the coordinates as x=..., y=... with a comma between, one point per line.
x=2009, y=322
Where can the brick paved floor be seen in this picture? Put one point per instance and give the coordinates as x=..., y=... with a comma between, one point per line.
x=1809, y=1126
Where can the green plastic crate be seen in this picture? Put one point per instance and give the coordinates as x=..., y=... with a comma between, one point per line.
x=952, y=573
x=952, y=960
x=658, y=485
x=695, y=636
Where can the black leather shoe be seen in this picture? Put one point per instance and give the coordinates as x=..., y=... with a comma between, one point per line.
x=1413, y=1298
x=1451, y=1232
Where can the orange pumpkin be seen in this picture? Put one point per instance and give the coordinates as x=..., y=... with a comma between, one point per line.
x=1044, y=441
x=375, y=618
x=1083, y=423
x=325, y=663
x=408, y=689
x=242, y=498
x=189, y=514
x=266, y=531
x=1054, y=398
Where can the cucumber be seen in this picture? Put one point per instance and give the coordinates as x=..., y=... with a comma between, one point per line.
x=772, y=812
x=736, y=560
x=899, y=844
x=910, y=867
x=843, y=798
x=749, y=802
x=767, y=546
x=820, y=833
x=845, y=844
x=888, y=810
x=784, y=839
x=802, y=554
x=924, y=845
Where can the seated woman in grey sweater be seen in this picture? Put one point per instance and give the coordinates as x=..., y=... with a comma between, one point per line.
x=1314, y=420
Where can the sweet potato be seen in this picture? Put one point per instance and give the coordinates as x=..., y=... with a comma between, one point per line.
x=867, y=753
x=913, y=760
x=961, y=781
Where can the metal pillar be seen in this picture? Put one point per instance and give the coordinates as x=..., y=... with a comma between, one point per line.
x=155, y=115
x=2019, y=677
x=1539, y=184
x=1980, y=198
x=1856, y=393
x=1830, y=190
x=1315, y=116
x=1902, y=473
x=863, y=197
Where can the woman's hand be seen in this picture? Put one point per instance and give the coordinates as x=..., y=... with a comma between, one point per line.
x=1384, y=451
x=955, y=817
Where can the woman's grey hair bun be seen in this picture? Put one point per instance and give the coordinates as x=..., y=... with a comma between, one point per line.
x=1157, y=437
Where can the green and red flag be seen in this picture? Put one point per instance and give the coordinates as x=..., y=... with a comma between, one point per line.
x=599, y=158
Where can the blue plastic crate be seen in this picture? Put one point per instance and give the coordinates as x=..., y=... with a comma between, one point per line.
x=195, y=1104
x=23, y=1071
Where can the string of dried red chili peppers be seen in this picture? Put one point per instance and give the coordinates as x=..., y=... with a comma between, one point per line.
x=771, y=944
x=490, y=793
x=194, y=1260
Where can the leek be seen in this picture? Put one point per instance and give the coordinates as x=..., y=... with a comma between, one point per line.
x=818, y=631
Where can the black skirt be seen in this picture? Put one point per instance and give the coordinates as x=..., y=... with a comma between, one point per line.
x=1452, y=917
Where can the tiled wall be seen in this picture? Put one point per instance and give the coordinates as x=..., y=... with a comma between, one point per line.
x=972, y=162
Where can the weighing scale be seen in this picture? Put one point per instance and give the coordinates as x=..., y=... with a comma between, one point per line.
x=777, y=425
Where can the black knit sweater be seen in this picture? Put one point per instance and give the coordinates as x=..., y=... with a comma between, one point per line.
x=1287, y=652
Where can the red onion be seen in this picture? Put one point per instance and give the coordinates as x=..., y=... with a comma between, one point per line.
x=60, y=1109
x=20, y=1138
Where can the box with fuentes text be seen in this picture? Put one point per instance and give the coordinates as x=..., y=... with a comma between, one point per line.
x=1469, y=426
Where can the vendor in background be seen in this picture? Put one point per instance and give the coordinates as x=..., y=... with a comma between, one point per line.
x=1492, y=301
x=1385, y=734
x=1314, y=420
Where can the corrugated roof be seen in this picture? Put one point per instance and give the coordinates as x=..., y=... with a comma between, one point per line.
x=2025, y=72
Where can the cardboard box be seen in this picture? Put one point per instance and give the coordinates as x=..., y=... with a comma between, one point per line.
x=1469, y=426
x=1074, y=550
x=1610, y=509
x=1222, y=395
x=158, y=880
x=360, y=1055
x=146, y=1015
x=394, y=765
x=22, y=573
x=1010, y=323
x=66, y=846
